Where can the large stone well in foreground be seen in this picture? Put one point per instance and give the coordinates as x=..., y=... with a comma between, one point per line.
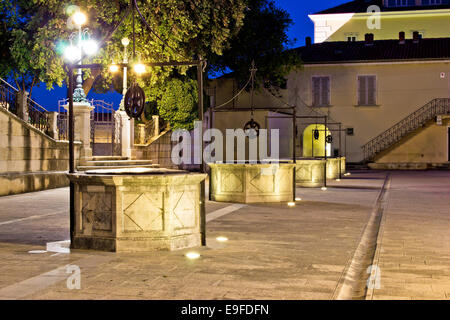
x=120, y=210
x=252, y=183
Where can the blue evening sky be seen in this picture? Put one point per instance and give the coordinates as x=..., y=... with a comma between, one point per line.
x=301, y=28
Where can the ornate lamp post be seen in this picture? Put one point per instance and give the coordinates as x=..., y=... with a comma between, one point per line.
x=125, y=43
x=75, y=53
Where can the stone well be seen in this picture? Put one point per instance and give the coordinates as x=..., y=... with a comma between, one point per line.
x=343, y=168
x=137, y=209
x=334, y=165
x=252, y=183
x=310, y=173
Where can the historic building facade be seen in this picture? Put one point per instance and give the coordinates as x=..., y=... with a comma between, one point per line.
x=390, y=89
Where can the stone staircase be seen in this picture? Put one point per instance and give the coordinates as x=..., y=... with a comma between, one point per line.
x=412, y=122
x=115, y=162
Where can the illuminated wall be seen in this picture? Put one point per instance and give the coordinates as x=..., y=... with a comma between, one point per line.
x=313, y=147
x=338, y=27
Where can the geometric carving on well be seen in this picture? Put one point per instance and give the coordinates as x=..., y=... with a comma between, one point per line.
x=142, y=212
x=284, y=175
x=184, y=210
x=158, y=210
x=310, y=172
x=260, y=183
x=96, y=211
x=231, y=181
x=251, y=183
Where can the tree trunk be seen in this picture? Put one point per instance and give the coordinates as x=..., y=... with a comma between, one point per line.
x=89, y=82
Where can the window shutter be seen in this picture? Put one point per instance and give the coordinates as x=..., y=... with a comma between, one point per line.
x=325, y=91
x=371, y=90
x=316, y=91
x=362, y=91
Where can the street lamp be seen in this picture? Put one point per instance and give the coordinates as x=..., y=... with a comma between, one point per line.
x=125, y=43
x=74, y=53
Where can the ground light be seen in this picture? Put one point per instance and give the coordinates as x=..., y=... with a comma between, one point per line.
x=192, y=255
x=222, y=239
x=298, y=199
x=291, y=204
x=338, y=180
x=347, y=174
x=324, y=188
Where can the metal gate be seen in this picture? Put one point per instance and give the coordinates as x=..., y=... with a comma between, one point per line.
x=103, y=128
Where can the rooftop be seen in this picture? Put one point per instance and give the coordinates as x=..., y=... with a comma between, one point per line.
x=358, y=6
x=380, y=50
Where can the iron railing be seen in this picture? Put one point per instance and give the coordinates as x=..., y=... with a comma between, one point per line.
x=37, y=116
x=144, y=136
x=415, y=120
x=8, y=96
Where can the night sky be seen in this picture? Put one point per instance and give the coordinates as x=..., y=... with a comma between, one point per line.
x=302, y=27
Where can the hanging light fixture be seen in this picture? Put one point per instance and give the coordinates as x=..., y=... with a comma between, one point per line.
x=134, y=102
x=316, y=133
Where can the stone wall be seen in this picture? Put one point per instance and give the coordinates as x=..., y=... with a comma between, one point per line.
x=29, y=159
x=159, y=151
x=426, y=147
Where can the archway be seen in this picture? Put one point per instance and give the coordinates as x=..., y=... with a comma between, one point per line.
x=315, y=147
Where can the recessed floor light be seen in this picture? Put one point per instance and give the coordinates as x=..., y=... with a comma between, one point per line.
x=222, y=239
x=298, y=199
x=192, y=255
x=37, y=251
x=291, y=204
x=324, y=188
x=338, y=180
x=347, y=174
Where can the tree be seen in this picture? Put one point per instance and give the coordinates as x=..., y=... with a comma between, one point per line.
x=178, y=103
x=35, y=31
x=263, y=39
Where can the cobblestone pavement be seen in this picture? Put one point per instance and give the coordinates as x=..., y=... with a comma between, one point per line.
x=274, y=251
x=414, y=254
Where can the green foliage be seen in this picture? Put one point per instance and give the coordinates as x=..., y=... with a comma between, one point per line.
x=263, y=38
x=35, y=31
x=178, y=104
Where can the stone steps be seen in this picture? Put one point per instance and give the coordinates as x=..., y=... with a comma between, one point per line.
x=118, y=163
x=115, y=163
x=86, y=168
x=109, y=158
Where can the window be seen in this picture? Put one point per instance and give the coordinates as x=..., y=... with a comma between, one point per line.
x=367, y=90
x=401, y=3
x=421, y=33
x=351, y=36
x=321, y=91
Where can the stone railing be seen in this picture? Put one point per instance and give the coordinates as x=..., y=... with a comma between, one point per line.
x=145, y=132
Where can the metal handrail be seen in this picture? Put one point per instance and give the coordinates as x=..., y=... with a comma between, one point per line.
x=418, y=118
x=10, y=86
x=37, y=115
x=8, y=96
